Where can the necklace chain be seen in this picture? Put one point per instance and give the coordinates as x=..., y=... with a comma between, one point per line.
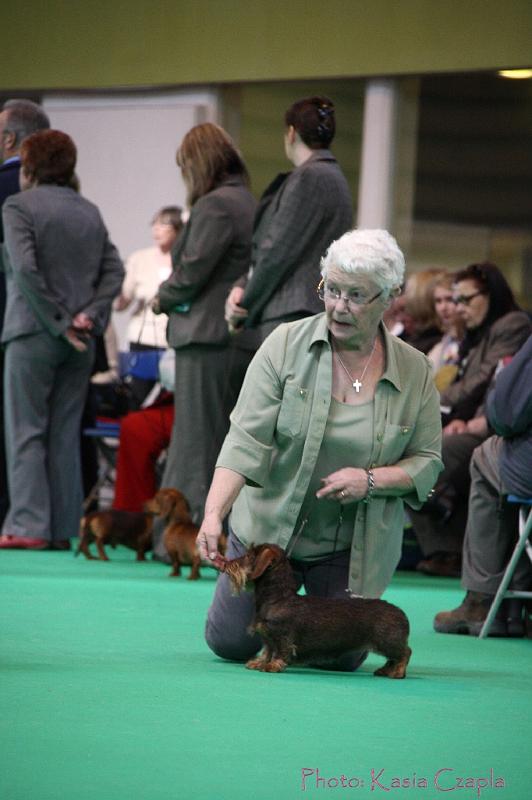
x=357, y=384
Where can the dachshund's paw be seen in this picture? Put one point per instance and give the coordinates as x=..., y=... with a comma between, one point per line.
x=275, y=665
x=256, y=663
x=391, y=671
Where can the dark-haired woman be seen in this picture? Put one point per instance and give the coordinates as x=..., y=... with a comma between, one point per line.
x=495, y=328
x=62, y=276
x=299, y=215
x=213, y=251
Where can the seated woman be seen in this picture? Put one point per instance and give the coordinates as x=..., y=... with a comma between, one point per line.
x=144, y=434
x=445, y=353
x=337, y=425
x=419, y=316
x=495, y=327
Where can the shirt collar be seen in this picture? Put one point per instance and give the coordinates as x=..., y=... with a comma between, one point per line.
x=391, y=370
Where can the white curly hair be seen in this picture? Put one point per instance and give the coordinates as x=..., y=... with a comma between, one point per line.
x=369, y=252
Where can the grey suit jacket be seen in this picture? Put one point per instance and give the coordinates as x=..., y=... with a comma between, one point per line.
x=212, y=252
x=59, y=262
x=298, y=221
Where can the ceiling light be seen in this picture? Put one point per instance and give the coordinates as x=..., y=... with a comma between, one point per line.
x=516, y=74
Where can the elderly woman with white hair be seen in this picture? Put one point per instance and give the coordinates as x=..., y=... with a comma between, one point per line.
x=336, y=427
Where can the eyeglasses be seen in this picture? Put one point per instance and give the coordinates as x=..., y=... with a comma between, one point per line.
x=353, y=298
x=465, y=299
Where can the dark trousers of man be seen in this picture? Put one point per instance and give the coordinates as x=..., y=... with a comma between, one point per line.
x=453, y=484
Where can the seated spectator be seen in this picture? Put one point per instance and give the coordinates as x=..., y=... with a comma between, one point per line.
x=144, y=435
x=495, y=328
x=445, y=353
x=421, y=323
x=502, y=465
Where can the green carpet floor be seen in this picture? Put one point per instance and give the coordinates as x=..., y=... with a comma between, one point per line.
x=108, y=692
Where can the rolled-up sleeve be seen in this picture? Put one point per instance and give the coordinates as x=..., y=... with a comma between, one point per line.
x=422, y=457
x=249, y=444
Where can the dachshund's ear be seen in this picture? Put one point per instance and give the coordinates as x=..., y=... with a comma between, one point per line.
x=263, y=560
x=181, y=509
x=167, y=502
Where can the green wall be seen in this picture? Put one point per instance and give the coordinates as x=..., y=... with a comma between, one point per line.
x=260, y=137
x=56, y=44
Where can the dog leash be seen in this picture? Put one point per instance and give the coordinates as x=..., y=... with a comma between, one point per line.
x=301, y=528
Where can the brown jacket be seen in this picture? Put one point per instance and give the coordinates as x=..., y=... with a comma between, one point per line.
x=504, y=338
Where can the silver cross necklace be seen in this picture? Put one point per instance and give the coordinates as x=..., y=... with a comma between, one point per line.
x=357, y=384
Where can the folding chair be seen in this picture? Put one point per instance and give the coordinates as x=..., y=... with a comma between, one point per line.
x=107, y=436
x=525, y=529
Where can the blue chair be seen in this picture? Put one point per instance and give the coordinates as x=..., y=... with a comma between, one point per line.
x=525, y=529
x=107, y=436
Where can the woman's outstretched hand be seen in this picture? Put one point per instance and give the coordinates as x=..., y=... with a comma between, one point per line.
x=347, y=485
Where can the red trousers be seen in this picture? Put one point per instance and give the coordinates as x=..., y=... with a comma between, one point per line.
x=143, y=436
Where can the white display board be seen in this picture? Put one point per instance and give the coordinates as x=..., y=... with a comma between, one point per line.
x=126, y=156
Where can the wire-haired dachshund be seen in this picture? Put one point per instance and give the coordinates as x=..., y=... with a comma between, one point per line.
x=132, y=529
x=299, y=629
x=179, y=536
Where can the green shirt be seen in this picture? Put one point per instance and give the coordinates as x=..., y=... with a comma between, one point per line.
x=278, y=425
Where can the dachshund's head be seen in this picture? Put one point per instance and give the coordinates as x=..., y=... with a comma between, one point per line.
x=170, y=504
x=251, y=566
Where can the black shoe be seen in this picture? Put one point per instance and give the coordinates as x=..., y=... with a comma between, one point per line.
x=513, y=611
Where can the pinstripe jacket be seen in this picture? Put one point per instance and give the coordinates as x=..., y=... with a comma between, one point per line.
x=299, y=215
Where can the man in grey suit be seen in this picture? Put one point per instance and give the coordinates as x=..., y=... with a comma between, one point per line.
x=62, y=276
x=18, y=119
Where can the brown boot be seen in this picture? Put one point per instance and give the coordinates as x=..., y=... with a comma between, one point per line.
x=469, y=617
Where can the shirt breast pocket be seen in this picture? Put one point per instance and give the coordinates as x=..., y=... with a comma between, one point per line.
x=294, y=410
x=395, y=440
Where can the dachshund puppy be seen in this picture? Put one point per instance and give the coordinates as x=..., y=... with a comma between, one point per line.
x=132, y=529
x=180, y=534
x=300, y=629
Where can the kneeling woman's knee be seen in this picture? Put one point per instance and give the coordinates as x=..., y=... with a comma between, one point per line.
x=231, y=645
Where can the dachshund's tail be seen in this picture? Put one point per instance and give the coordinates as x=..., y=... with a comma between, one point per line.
x=83, y=533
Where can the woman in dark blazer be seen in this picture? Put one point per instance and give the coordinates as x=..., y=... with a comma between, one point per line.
x=211, y=254
x=299, y=215
x=62, y=276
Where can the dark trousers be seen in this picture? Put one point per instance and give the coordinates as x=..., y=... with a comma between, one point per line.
x=4, y=493
x=453, y=487
x=207, y=382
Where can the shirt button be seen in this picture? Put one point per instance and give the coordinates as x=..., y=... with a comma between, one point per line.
x=379, y=437
x=404, y=430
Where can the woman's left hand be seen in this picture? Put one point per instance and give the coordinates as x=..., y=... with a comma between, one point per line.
x=348, y=485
